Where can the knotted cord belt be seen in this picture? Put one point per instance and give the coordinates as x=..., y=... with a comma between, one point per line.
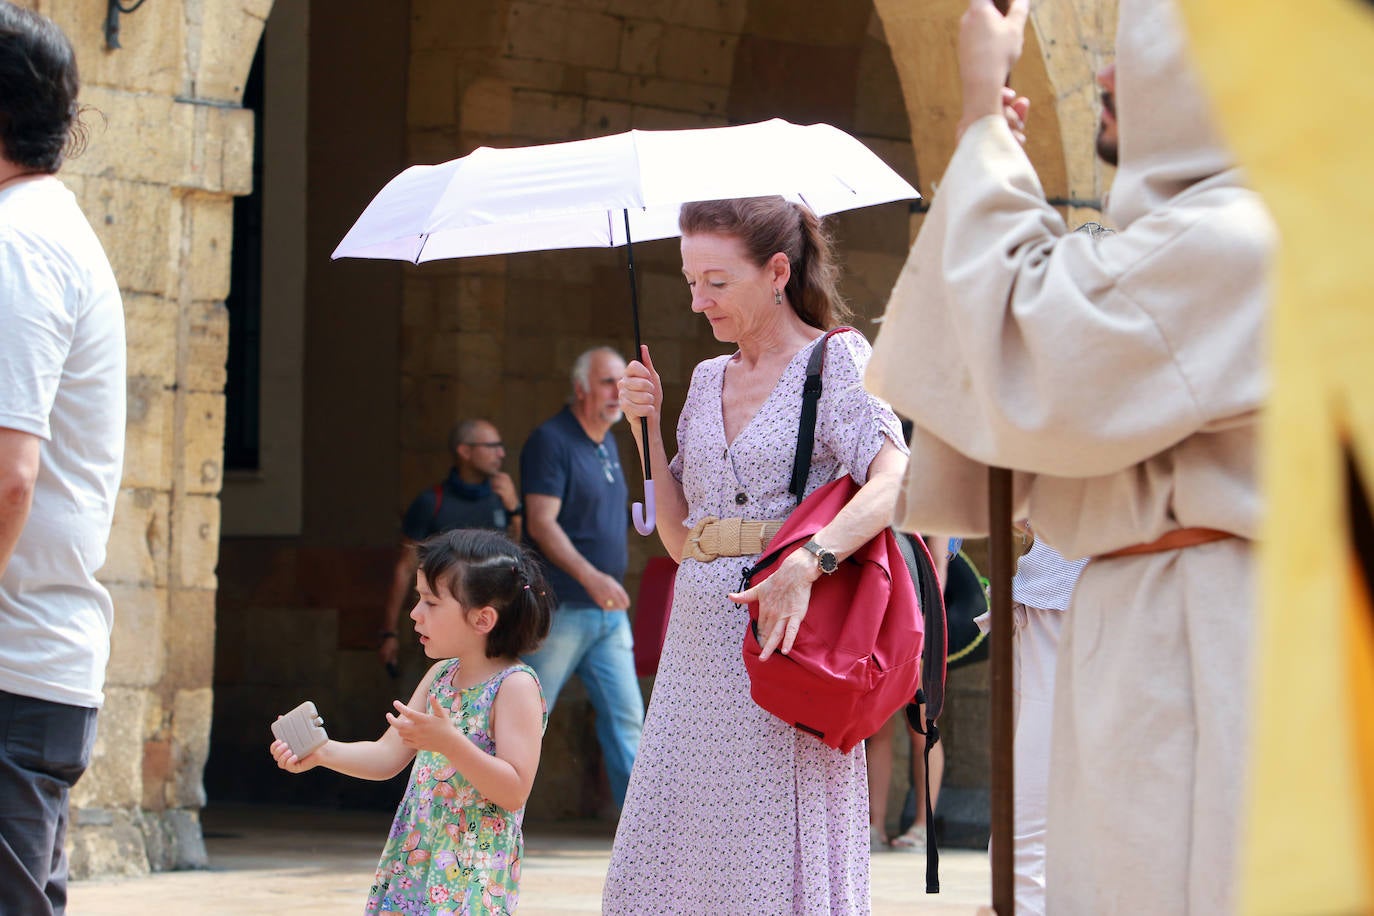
x=728, y=537
x=1177, y=539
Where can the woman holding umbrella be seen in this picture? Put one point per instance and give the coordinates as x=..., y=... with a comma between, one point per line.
x=728, y=807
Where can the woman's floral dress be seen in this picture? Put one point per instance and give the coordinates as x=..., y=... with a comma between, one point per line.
x=450, y=851
x=730, y=810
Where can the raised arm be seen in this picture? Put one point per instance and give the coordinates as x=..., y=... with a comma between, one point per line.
x=641, y=396
x=376, y=760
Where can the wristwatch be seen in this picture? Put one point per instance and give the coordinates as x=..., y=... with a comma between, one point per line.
x=825, y=558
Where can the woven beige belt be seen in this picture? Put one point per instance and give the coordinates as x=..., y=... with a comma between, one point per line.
x=728, y=537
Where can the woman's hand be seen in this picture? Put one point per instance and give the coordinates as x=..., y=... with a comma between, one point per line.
x=783, y=599
x=289, y=762
x=641, y=390
x=420, y=730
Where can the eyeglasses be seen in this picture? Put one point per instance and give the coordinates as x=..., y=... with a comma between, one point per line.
x=606, y=465
x=486, y=444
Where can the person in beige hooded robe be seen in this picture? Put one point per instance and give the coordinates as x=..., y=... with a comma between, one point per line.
x=1122, y=378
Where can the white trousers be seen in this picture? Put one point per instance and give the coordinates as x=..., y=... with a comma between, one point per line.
x=1035, y=647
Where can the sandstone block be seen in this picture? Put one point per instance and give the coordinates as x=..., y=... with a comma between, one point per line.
x=174, y=840
x=136, y=650
x=137, y=553
x=202, y=366
x=150, y=325
x=210, y=221
x=679, y=95
x=488, y=107
x=223, y=160
x=115, y=777
x=139, y=227
x=148, y=434
x=109, y=850
x=191, y=713
x=445, y=24
x=228, y=36
x=136, y=136
x=195, y=541
x=188, y=639
x=152, y=53
x=432, y=96
x=201, y=420
x=580, y=37
x=604, y=118
x=640, y=44
x=546, y=116
x=697, y=56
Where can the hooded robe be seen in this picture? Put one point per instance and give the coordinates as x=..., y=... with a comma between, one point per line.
x=1122, y=377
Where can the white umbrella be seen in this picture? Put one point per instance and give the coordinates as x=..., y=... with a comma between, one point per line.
x=607, y=191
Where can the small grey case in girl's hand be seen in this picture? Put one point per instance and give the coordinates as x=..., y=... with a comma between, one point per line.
x=302, y=729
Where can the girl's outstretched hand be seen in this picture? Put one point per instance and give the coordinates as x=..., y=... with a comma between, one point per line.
x=422, y=730
x=289, y=762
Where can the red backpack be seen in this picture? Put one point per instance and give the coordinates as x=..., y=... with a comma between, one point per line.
x=857, y=656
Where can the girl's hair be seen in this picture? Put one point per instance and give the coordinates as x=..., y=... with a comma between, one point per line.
x=484, y=568
x=767, y=225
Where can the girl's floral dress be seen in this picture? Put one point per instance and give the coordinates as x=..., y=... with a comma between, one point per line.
x=450, y=851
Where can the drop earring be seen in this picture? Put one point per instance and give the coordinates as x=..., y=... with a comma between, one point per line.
x=777, y=297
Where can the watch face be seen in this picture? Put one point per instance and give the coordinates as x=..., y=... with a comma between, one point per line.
x=828, y=562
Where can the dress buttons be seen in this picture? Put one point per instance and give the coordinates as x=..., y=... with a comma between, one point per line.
x=741, y=498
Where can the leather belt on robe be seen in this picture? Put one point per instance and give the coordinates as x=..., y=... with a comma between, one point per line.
x=1177, y=539
x=728, y=537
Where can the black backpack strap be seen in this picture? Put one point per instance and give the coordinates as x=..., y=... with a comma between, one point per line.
x=806, y=427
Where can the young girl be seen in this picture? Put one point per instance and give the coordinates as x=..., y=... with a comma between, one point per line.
x=474, y=727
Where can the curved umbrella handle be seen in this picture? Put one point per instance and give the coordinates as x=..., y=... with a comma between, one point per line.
x=644, y=513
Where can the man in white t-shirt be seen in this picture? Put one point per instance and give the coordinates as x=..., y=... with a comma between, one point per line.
x=62, y=382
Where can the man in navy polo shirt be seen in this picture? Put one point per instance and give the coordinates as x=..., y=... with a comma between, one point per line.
x=476, y=494
x=576, y=502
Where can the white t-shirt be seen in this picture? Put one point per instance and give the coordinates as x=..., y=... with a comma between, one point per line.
x=62, y=378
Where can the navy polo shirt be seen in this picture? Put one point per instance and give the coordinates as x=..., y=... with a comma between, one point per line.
x=560, y=460
x=463, y=505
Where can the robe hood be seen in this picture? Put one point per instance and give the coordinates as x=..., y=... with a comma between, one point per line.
x=1167, y=136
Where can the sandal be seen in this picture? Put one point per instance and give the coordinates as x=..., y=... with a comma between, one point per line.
x=914, y=840
x=876, y=841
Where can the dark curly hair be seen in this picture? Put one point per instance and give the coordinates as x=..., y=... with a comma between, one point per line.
x=39, y=122
x=484, y=568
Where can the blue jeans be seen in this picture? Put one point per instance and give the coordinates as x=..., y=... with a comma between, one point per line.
x=597, y=646
x=44, y=749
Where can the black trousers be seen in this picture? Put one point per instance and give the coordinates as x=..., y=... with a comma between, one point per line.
x=44, y=749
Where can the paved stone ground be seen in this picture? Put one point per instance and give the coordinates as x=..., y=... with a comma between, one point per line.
x=311, y=862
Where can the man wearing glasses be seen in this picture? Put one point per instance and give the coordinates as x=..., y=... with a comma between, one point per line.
x=576, y=502
x=476, y=494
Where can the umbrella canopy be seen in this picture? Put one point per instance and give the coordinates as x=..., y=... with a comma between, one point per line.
x=582, y=194
x=609, y=191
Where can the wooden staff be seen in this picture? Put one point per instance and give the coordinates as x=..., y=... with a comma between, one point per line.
x=1001, y=731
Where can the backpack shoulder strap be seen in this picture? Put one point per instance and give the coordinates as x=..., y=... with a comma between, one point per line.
x=806, y=427
x=438, y=500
